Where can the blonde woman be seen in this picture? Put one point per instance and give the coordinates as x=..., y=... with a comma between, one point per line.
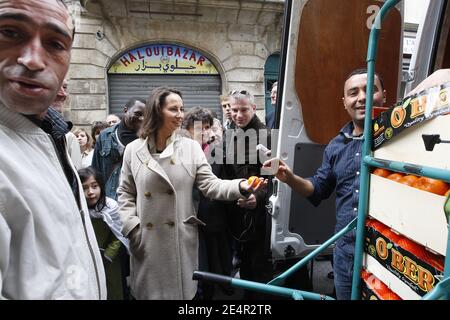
x=86, y=146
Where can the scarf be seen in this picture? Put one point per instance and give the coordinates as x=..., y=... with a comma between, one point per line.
x=110, y=215
x=125, y=135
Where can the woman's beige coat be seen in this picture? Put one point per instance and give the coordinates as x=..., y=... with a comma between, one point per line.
x=157, y=197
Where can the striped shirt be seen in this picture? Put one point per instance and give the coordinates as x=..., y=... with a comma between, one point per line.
x=340, y=171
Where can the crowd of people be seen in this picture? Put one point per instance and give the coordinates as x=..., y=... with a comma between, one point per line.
x=130, y=208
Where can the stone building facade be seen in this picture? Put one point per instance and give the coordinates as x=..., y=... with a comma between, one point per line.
x=237, y=37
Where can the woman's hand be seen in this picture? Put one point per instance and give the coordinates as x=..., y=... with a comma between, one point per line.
x=249, y=203
x=254, y=186
x=281, y=170
x=135, y=237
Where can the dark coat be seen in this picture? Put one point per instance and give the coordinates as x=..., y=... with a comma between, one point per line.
x=246, y=224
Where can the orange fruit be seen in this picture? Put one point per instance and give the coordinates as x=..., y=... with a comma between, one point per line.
x=390, y=295
x=381, y=172
x=412, y=247
x=409, y=180
x=383, y=229
x=448, y=191
x=431, y=185
x=253, y=178
x=435, y=260
x=391, y=235
x=364, y=274
x=395, y=176
x=381, y=290
x=375, y=224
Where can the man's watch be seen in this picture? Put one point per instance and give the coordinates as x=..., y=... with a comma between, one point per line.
x=243, y=192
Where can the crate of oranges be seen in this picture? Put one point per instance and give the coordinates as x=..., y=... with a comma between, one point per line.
x=412, y=205
x=406, y=265
x=373, y=288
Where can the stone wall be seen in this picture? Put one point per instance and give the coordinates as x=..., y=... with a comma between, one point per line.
x=237, y=37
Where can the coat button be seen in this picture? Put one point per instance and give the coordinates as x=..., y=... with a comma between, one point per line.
x=170, y=223
x=149, y=226
x=170, y=192
x=148, y=194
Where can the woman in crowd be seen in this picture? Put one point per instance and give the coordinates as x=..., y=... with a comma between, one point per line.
x=86, y=146
x=197, y=123
x=215, y=253
x=97, y=127
x=107, y=225
x=155, y=198
x=216, y=133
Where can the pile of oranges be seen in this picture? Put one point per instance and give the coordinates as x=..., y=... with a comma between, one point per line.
x=435, y=260
x=380, y=289
x=423, y=183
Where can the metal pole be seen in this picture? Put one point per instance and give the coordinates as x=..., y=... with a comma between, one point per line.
x=364, y=184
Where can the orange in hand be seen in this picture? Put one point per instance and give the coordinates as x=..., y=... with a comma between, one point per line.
x=253, y=178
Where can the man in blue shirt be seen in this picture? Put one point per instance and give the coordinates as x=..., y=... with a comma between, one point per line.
x=340, y=171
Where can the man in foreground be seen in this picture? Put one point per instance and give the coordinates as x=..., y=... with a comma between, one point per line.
x=48, y=248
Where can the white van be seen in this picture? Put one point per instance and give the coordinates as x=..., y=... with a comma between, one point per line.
x=432, y=51
x=323, y=42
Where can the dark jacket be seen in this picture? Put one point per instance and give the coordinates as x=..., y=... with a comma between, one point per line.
x=270, y=119
x=107, y=159
x=246, y=224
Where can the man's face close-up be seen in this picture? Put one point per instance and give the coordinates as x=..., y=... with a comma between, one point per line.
x=35, y=44
x=355, y=96
x=242, y=112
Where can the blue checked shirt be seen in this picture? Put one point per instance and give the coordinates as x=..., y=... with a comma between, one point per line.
x=340, y=170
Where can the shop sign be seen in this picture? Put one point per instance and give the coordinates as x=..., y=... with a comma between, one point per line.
x=163, y=59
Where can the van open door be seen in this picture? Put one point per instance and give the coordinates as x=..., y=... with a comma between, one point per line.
x=323, y=42
x=432, y=50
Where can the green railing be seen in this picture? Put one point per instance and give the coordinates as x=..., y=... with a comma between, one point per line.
x=443, y=288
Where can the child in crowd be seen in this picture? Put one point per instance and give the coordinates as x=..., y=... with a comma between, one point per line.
x=86, y=147
x=105, y=218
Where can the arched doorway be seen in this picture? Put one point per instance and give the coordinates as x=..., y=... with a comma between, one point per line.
x=136, y=72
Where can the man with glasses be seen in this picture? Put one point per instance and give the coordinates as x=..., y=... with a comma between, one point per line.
x=247, y=218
